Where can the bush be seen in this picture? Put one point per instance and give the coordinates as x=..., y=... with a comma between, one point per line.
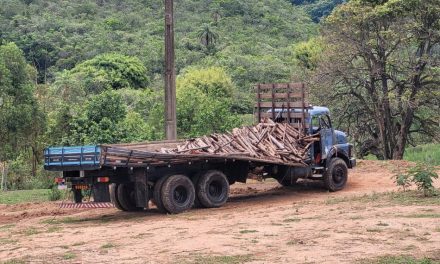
x=54, y=194
x=422, y=175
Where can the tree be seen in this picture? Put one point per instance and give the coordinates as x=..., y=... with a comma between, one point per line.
x=204, y=102
x=381, y=67
x=104, y=72
x=21, y=119
x=208, y=37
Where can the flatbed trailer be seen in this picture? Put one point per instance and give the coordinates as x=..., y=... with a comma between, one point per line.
x=130, y=175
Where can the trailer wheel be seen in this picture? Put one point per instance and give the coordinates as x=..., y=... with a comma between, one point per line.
x=113, y=189
x=177, y=194
x=126, y=197
x=213, y=189
x=157, y=194
x=336, y=175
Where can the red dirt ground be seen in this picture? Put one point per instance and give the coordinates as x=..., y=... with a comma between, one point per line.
x=261, y=223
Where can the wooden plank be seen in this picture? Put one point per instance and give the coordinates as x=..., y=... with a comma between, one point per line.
x=279, y=104
x=269, y=86
x=284, y=115
x=292, y=96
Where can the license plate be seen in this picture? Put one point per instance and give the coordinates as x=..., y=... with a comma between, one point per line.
x=62, y=187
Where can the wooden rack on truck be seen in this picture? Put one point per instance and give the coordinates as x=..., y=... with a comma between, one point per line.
x=282, y=102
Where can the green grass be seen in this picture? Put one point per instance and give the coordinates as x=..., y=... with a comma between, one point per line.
x=398, y=260
x=429, y=153
x=236, y=259
x=399, y=198
x=69, y=255
x=14, y=261
x=248, y=231
x=422, y=216
x=288, y=220
x=7, y=241
x=24, y=196
x=108, y=245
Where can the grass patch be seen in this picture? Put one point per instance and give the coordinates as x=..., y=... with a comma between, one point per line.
x=398, y=260
x=382, y=224
x=421, y=216
x=289, y=220
x=7, y=241
x=53, y=229
x=295, y=242
x=31, y=231
x=69, y=255
x=24, y=196
x=3, y=227
x=77, y=244
x=246, y=231
x=235, y=259
x=400, y=198
x=374, y=230
x=73, y=220
x=14, y=261
x=429, y=153
x=108, y=245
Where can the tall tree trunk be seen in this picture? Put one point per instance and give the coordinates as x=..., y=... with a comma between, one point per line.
x=4, y=176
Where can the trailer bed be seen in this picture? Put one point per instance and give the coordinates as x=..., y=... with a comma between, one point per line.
x=132, y=155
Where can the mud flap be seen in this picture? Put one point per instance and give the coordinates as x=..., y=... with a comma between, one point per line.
x=141, y=189
x=101, y=192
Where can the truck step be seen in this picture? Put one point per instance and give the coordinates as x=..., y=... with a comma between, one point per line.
x=86, y=205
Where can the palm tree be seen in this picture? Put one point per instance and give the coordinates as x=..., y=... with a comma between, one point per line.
x=207, y=36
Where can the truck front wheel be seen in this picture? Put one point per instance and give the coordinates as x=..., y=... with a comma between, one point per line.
x=336, y=175
x=177, y=194
x=213, y=189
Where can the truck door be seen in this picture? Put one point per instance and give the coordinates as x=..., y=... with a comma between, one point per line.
x=326, y=131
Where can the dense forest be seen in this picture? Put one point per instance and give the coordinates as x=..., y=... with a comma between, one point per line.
x=91, y=71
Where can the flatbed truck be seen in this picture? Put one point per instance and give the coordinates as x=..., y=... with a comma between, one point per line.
x=130, y=175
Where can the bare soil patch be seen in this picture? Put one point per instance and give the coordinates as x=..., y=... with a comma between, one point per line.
x=262, y=223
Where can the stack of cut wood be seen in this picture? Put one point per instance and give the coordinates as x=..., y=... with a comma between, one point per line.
x=277, y=142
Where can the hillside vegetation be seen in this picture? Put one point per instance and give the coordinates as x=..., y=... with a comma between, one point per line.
x=91, y=70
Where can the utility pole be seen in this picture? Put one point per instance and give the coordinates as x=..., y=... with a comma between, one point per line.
x=170, y=74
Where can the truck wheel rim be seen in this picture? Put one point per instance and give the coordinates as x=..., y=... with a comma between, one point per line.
x=338, y=175
x=180, y=194
x=215, y=189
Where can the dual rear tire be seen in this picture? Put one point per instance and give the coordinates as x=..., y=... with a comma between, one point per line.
x=177, y=193
x=123, y=197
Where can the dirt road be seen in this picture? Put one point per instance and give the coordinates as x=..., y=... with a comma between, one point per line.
x=262, y=223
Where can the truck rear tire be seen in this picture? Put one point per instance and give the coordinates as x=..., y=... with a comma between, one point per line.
x=213, y=189
x=113, y=189
x=127, y=198
x=177, y=194
x=336, y=175
x=157, y=194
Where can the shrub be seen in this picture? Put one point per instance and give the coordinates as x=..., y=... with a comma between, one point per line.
x=54, y=194
x=422, y=175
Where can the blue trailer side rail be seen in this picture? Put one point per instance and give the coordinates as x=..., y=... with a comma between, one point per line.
x=72, y=158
